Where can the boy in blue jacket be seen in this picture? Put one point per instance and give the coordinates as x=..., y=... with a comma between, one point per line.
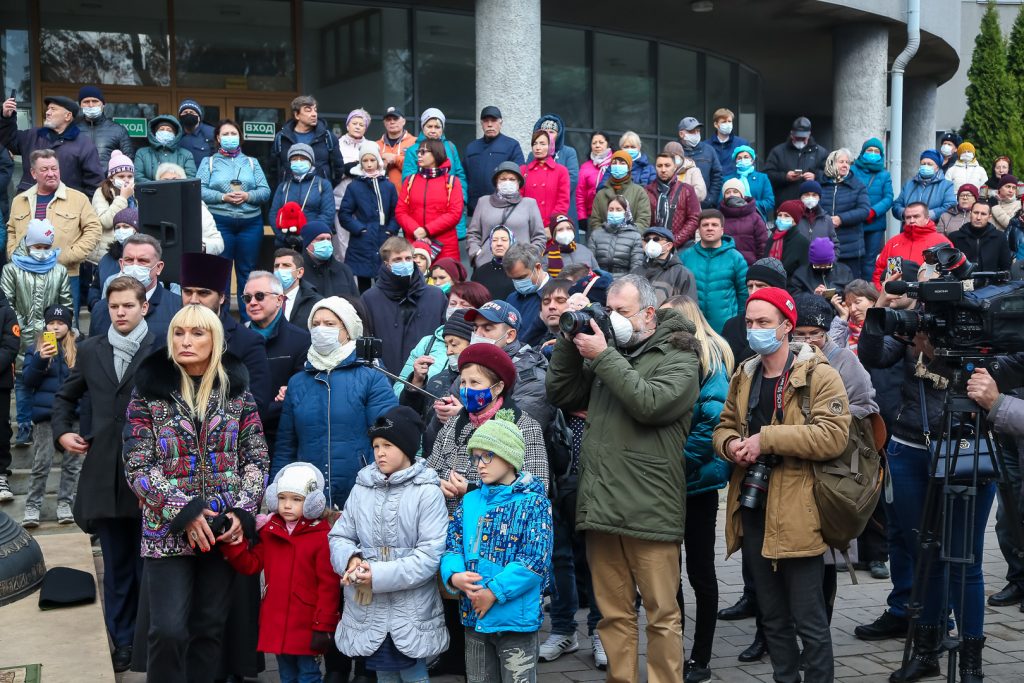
x=498, y=555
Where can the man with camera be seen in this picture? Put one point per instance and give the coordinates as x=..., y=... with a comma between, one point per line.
x=638, y=381
x=764, y=432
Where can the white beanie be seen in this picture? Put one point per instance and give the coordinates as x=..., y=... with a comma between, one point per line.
x=299, y=478
x=39, y=232
x=367, y=147
x=431, y=113
x=344, y=310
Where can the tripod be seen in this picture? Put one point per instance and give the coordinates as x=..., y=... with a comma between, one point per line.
x=961, y=463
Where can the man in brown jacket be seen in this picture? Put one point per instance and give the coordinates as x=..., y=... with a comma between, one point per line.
x=763, y=431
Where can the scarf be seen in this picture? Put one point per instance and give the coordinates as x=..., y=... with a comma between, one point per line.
x=435, y=172
x=869, y=166
x=232, y=154
x=777, y=238
x=742, y=174
x=265, y=332
x=375, y=182
x=333, y=359
x=26, y=262
x=126, y=346
x=602, y=160
x=553, y=251
x=662, y=210
x=854, y=336
x=477, y=419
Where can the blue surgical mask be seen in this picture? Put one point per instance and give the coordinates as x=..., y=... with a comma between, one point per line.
x=324, y=339
x=725, y=127
x=616, y=217
x=323, y=249
x=286, y=276
x=300, y=168
x=229, y=142
x=783, y=224
x=764, y=342
x=634, y=154
x=926, y=171
x=475, y=400
x=92, y=112
x=618, y=171
x=524, y=286
x=744, y=164
x=164, y=137
x=872, y=157
x=402, y=268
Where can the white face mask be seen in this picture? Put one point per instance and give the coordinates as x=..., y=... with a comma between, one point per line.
x=691, y=138
x=967, y=157
x=507, y=187
x=449, y=311
x=140, y=273
x=809, y=202
x=564, y=237
x=623, y=330
x=947, y=150
x=475, y=338
x=92, y=112
x=324, y=339
x=118, y=183
x=799, y=144
x=121, y=234
x=653, y=249
x=725, y=128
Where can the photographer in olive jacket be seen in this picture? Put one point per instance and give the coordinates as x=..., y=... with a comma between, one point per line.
x=638, y=388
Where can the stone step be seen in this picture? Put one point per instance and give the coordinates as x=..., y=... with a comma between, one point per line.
x=21, y=479
x=47, y=513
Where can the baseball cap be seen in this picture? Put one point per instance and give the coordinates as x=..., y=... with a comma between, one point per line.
x=491, y=111
x=689, y=123
x=395, y=112
x=801, y=127
x=496, y=311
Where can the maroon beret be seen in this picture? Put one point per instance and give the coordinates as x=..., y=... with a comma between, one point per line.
x=494, y=358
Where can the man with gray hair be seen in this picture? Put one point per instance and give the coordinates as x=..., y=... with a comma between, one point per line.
x=287, y=344
x=523, y=266
x=141, y=258
x=306, y=127
x=638, y=387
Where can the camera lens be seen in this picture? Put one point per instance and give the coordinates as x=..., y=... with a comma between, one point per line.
x=754, y=491
x=573, y=322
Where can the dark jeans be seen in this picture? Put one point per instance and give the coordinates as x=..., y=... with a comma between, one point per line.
x=1004, y=525
x=853, y=263
x=791, y=600
x=873, y=242
x=872, y=544
x=699, y=544
x=122, y=576
x=298, y=669
x=74, y=281
x=188, y=605
x=568, y=546
x=5, y=432
x=22, y=402
x=242, y=240
x=908, y=470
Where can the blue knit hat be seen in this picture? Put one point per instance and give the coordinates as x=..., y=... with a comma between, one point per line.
x=810, y=186
x=744, y=148
x=933, y=155
x=873, y=142
x=91, y=91
x=190, y=104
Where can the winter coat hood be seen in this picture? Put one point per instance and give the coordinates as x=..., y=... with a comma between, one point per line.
x=560, y=138
x=155, y=122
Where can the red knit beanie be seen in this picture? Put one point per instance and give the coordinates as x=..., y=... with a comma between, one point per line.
x=794, y=207
x=780, y=299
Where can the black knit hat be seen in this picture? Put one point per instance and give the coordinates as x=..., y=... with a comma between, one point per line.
x=813, y=311
x=401, y=426
x=457, y=326
x=57, y=312
x=769, y=271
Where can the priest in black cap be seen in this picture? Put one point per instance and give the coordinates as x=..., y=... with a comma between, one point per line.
x=204, y=280
x=77, y=155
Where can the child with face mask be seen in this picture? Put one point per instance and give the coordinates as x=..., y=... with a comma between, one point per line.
x=125, y=224
x=562, y=249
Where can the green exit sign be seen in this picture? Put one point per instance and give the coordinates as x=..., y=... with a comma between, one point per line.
x=136, y=127
x=259, y=130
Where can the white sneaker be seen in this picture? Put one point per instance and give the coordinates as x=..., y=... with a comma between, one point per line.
x=600, y=656
x=64, y=514
x=5, y=490
x=31, y=518
x=556, y=646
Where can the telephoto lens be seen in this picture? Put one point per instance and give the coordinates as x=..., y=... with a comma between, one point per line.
x=754, y=491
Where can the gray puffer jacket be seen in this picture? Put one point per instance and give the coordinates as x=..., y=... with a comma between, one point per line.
x=618, y=249
x=399, y=524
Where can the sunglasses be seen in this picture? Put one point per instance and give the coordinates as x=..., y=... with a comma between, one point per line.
x=654, y=238
x=259, y=296
x=486, y=458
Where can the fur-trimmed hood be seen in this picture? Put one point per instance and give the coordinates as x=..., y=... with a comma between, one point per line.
x=676, y=330
x=157, y=376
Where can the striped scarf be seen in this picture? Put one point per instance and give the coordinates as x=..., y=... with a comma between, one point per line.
x=553, y=251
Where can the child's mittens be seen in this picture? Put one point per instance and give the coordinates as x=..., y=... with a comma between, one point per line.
x=320, y=642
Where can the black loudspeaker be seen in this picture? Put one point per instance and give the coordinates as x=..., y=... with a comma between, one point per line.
x=169, y=210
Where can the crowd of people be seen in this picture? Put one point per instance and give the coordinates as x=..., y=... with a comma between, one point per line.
x=469, y=383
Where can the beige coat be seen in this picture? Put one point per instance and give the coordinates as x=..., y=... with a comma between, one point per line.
x=74, y=221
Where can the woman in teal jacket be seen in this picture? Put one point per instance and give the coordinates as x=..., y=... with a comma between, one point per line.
x=869, y=168
x=234, y=189
x=164, y=147
x=755, y=184
x=432, y=126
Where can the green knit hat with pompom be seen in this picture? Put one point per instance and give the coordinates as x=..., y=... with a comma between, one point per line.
x=501, y=437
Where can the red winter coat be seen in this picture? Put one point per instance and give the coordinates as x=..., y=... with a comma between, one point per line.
x=435, y=204
x=909, y=244
x=747, y=229
x=547, y=182
x=683, y=210
x=303, y=592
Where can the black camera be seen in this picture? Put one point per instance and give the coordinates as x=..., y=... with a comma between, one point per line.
x=572, y=323
x=369, y=349
x=754, y=491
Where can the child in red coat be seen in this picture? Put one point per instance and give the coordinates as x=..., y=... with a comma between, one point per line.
x=300, y=604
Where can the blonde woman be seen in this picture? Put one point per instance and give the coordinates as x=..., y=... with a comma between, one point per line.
x=196, y=458
x=705, y=474
x=643, y=170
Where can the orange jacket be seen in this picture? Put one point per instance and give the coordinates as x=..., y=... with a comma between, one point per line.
x=395, y=167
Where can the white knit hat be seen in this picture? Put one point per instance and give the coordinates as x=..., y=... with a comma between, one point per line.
x=431, y=113
x=344, y=310
x=39, y=232
x=368, y=147
x=300, y=479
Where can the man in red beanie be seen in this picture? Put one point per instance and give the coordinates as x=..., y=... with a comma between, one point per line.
x=763, y=424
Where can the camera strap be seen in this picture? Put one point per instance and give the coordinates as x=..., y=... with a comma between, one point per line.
x=925, y=426
x=780, y=389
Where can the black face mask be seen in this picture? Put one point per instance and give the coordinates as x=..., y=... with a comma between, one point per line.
x=189, y=120
x=736, y=202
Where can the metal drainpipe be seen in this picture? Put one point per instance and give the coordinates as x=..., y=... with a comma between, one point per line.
x=899, y=66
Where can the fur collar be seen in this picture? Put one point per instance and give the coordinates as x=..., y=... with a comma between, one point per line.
x=157, y=376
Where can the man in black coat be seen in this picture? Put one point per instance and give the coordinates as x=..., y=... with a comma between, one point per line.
x=287, y=344
x=203, y=280
x=299, y=295
x=792, y=162
x=106, y=134
x=10, y=343
x=105, y=505
x=982, y=243
x=328, y=275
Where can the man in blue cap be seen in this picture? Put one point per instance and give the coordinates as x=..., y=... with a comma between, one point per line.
x=498, y=322
x=106, y=134
x=485, y=153
x=705, y=158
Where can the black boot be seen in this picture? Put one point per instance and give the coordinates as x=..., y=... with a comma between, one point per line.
x=924, y=661
x=970, y=660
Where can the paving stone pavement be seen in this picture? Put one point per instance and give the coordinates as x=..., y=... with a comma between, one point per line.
x=856, y=661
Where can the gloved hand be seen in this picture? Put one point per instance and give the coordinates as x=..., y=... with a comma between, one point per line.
x=321, y=641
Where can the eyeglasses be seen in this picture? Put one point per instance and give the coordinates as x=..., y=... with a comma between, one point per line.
x=486, y=458
x=421, y=152
x=259, y=296
x=805, y=338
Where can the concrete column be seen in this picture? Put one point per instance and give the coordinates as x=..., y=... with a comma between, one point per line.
x=918, y=122
x=508, y=63
x=860, y=57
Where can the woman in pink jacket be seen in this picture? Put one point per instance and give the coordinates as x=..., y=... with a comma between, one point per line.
x=592, y=175
x=546, y=181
